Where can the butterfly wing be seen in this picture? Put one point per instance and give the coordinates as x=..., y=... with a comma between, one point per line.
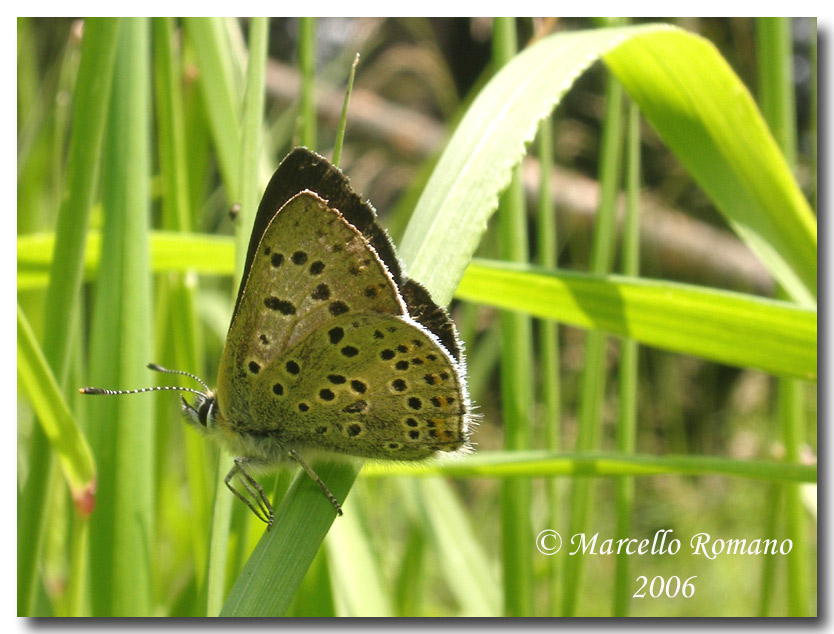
x=367, y=384
x=303, y=170
x=309, y=266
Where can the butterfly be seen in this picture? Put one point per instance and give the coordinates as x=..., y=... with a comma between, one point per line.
x=331, y=347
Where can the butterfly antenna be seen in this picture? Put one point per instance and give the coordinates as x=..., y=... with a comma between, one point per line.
x=158, y=388
x=159, y=368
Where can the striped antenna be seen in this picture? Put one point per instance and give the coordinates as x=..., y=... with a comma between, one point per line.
x=159, y=368
x=156, y=368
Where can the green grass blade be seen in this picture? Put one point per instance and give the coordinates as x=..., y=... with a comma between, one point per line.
x=355, y=574
x=170, y=111
x=542, y=463
x=120, y=429
x=550, y=417
x=592, y=388
x=340, y=130
x=516, y=379
x=65, y=437
x=307, y=68
x=171, y=252
x=271, y=576
x=732, y=328
x=706, y=116
x=777, y=101
x=626, y=433
x=220, y=82
x=253, y=111
x=466, y=567
x=90, y=100
x=219, y=541
x=179, y=342
x=793, y=416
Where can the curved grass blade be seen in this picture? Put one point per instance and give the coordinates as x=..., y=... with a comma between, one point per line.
x=732, y=328
x=706, y=115
x=66, y=438
x=722, y=140
x=709, y=323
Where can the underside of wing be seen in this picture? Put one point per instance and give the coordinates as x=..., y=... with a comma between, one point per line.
x=310, y=267
x=372, y=385
x=302, y=170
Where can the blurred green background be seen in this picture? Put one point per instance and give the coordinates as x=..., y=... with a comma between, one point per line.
x=174, y=151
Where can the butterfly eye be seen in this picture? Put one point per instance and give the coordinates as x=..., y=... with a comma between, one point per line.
x=205, y=412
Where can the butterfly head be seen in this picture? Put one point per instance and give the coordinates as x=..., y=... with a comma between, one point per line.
x=202, y=414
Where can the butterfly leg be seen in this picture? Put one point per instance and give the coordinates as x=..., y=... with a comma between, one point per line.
x=263, y=511
x=294, y=455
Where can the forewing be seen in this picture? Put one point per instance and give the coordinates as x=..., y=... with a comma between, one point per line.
x=309, y=267
x=303, y=170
